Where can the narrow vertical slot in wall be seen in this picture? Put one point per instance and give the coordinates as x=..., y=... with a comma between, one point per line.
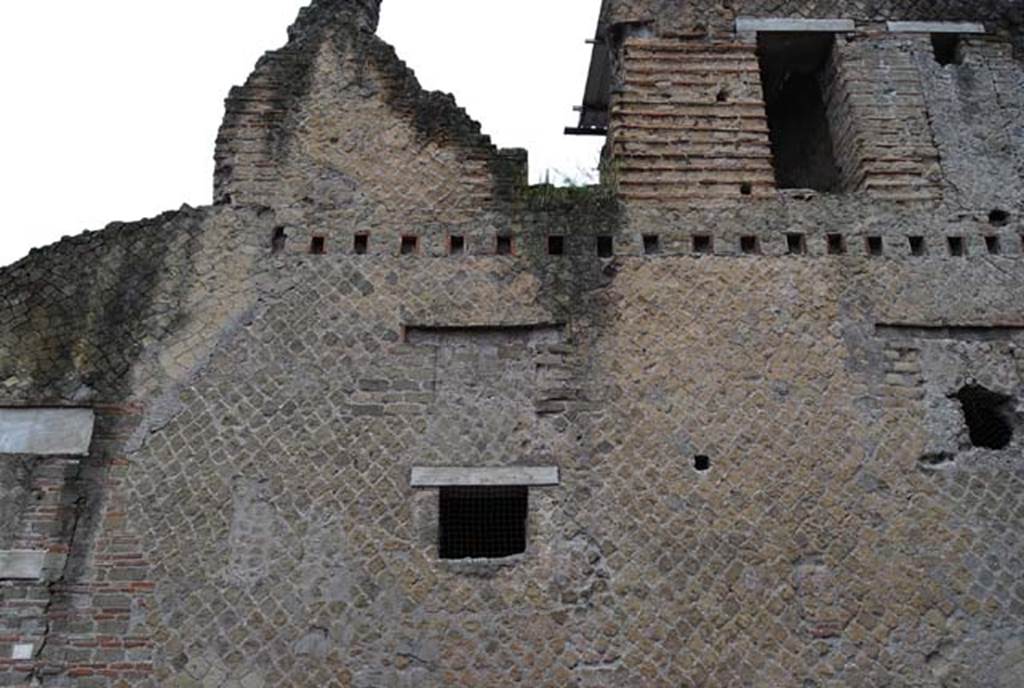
x=793, y=76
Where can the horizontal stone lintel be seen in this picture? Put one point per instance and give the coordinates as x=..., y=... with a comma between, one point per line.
x=449, y=476
x=935, y=27
x=21, y=564
x=767, y=25
x=46, y=431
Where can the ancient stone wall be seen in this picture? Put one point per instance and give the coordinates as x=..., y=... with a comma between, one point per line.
x=755, y=402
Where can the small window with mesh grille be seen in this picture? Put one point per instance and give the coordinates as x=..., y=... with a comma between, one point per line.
x=483, y=522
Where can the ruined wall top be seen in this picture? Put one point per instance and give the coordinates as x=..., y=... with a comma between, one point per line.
x=320, y=14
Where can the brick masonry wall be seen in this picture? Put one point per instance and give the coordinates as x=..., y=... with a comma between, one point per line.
x=889, y=108
x=881, y=129
x=688, y=124
x=244, y=517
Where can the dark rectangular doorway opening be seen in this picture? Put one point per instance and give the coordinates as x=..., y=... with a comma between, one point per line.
x=794, y=78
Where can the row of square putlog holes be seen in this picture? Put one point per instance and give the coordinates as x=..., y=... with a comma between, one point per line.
x=703, y=244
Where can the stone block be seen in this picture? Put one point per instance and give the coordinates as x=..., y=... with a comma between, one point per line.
x=935, y=27
x=46, y=431
x=21, y=565
x=423, y=476
x=759, y=25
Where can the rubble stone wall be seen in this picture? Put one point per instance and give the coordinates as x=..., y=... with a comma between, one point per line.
x=245, y=517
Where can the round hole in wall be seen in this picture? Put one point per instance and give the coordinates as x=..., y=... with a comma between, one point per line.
x=998, y=217
x=701, y=462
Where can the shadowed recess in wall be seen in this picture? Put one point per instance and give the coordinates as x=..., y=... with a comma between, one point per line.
x=988, y=415
x=793, y=72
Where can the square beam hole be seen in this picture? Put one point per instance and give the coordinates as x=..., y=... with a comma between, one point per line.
x=318, y=246
x=605, y=247
x=796, y=244
x=836, y=244
x=917, y=246
x=652, y=244
x=875, y=246
x=503, y=245
x=703, y=244
x=361, y=244
x=556, y=245
x=749, y=245
x=410, y=245
x=277, y=240
x=482, y=522
x=456, y=245
x=993, y=245
x=956, y=246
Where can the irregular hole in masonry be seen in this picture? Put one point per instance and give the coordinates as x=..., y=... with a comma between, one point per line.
x=988, y=416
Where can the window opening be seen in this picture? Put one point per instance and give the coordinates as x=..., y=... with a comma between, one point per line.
x=795, y=244
x=836, y=244
x=987, y=414
x=652, y=244
x=956, y=246
x=874, y=246
x=318, y=246
x=917, y=247
x=556, y=245
x=605, y=247
x=409, y=246
x=703, y=244
x=482, y=522
x=277, y=240
x=361, y=244
x=456, y=245
x=503, y=246
x=793, y=75
x=946, y=48
x=748, y=244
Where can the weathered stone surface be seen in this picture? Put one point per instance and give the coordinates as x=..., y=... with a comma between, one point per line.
x=15, y=565
x=442, y=476
x=45, y=431
x=245, y=515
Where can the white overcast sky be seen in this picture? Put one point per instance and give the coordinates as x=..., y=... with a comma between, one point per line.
x=110, y=108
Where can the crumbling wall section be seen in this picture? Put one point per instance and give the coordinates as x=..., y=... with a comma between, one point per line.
x=316, y=118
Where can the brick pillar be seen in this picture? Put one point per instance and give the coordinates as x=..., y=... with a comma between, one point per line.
x=688, y=124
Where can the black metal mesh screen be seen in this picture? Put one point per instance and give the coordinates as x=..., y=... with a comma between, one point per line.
x=987, y=416
x=483, y=522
